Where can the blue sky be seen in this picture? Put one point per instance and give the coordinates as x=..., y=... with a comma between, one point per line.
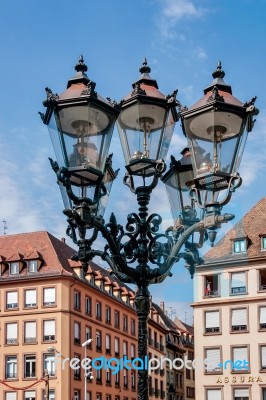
x=40, y=43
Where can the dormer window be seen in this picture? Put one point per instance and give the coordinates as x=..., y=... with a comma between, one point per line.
x=14, y=268
x=32, y=266
x=263, y=243
x=240, y=245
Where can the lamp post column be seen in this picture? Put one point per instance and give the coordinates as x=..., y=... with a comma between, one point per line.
x=143, y=305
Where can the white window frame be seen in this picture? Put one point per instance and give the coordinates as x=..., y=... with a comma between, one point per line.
x=14, y=268
x=232, y=278
x=212, y=321
x=33, y=263
x=30, y=298
x=49, y=296
x=11, y=299
x=11, y=367
x=49, y=334
x=11, y=337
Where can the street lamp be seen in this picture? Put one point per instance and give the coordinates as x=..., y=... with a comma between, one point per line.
x=86, y=374
x=140, y=254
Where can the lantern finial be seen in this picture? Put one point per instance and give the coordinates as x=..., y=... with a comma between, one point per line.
x=219, y=73
x=145, y=69
x=81, y=66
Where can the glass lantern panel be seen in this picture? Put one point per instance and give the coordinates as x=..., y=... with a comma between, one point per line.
x=213, y=147
x=56, y=139
x=84, y=133
x=178, y=193
x=141, y=131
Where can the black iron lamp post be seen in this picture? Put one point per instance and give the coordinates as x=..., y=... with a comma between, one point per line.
x=81, y=125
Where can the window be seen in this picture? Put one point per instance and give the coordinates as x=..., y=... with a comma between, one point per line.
x=30, y=332
x=11, y=300
x=30, y=395
x=111, y=290
x=239, y=319
x=263, y=357
x=88, y=335
x=49, y=364
x=108, y=344
x=212, y=285
x=98, y=310
x=77, y=370
x=133, y=379
x=49, y=296
x=263, y=393
x=238, y=283
x=117, y=319
x=98, y=396
x=116, y=346
x=51, y=395
x=213, y=356
x=133, y=351
x=98, y=375
x=212, y=322
x=108, y=376
x=30, y=366
x=263, y=243
x=241, y=394
x=77, y=333
x=240, y=359
x=12, y=333
x=262, y=312
x=125, y=326
x=88, y=305
x=125, y=349
x=133, y=327
x=125, y=378
x=240, y=246
x=32, y=266
x=14, y=268
x=11, y=396
x=108, y=315
x=214, y=394
x=30, y=298
x=98, y=341
x=76, y=394
x=262, y=279
x=11, y=367
x=117, y=379
x=76, y=300
x=48, y=330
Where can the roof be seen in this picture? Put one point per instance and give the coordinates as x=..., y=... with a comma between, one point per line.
x=251, y=227
x=54, y=254
x=169, y=324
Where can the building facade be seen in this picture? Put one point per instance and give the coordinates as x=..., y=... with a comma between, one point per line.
x=230, y=313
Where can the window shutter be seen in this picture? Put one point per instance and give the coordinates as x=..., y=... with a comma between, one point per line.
x=214, y=394
x=49, y=328
x=239, y=317
x=212, y=319
x=49, y=295
x=30, y=330
x=263, y=356
x=107, y=342
x=132, y=351
x=240, y=353
x=12, y=331
x=241, y=393
x=11, y=396
x=77, y=329
x=116, y=346
x=238, y=279
x=31, y=296
x=125, y=349
x=12, y=297
x=213, y=359
x=262, y=315
x=30, y=394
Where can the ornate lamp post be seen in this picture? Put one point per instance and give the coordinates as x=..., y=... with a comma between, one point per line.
x=139, y=253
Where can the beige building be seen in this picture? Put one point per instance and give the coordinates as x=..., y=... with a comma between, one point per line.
x=230, y=313
x=48, y=309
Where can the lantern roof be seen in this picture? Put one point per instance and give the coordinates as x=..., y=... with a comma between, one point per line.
x=217, y=92
x=145, y=85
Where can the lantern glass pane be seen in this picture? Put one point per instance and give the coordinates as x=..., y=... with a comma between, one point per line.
x=84, y=135
x=213, y=138
x=145, y=131
x=178, y=193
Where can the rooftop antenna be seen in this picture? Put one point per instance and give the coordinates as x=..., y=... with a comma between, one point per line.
x=185, y=317
x=5, y=228
x=172, y=312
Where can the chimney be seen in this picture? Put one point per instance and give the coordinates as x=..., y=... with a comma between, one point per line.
x=63, y=240
x=162, y=306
